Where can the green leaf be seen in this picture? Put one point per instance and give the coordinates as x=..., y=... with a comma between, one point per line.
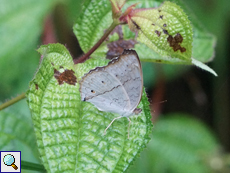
x=203, y=42
x=166, y=30
x=203, y=66
x=91, y=24
x=95, y=18
x=21, y=23
x=26, y=13
x=70, y=133
x=16, y=134
x=181, y=144
x=203, y=45
x=116, y=7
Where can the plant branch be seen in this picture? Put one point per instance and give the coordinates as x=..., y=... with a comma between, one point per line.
x=108, y=31
x=32, y=166
x=12, y=101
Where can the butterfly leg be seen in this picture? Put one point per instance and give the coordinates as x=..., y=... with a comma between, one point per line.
x=129, y=127
x=111, y=123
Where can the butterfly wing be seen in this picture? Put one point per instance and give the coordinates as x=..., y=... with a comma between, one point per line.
x=129, y=73
x=116, y=87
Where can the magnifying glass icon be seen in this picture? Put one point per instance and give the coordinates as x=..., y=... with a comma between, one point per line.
x=9, y=160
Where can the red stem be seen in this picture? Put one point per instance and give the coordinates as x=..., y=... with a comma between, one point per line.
x=108, y=31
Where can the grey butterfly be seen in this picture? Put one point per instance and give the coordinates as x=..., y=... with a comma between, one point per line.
x=116, y=87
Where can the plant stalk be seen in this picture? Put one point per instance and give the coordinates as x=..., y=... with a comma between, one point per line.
x=106, y=34
x=32, y=166
x=12, y=101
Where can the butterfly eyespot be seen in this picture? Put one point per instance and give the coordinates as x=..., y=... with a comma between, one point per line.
x=92, y=91
x=102, y=82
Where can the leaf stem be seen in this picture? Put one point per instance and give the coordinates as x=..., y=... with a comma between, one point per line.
x=32, y=166
x=12, y=101
x=108, y=31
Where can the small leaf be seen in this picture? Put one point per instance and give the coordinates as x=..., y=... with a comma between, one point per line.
x=166, y=30
x=70, y=133
x=116, y=7
x=203, y=66
x=95, y=17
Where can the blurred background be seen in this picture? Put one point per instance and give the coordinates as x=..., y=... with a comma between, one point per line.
x=190, y=107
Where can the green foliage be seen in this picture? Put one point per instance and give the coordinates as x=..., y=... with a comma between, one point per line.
x=70, y=133
x=14, y=128
x=95, y=18
x=89, y=31
x=160, y=27
x=203, y=42
x=180, y=144
x=20, y=28
x=17, y=134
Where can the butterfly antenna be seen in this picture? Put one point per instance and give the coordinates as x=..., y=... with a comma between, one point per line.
x=129, y=127
x=111, y=123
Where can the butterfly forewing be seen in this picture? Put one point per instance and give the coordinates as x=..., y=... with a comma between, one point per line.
x=116, y=87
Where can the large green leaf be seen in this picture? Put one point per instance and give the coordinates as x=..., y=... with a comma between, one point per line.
x=181, y=144
x=16, y=134
x=70, y=133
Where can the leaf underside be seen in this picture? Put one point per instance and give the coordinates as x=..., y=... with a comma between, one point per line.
x=70, y=133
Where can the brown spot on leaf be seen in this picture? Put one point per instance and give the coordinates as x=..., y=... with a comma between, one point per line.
x=36, y=86
x=158, y=60
x=52, y=63
x=67, y=76
x=165, y=25
x=159, y=11
x=174, y=42
x=153, y=24
x=158, y=33
x=165, y=31
x=161, y=17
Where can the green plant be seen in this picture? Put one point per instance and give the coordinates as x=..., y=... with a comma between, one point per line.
x=69, y=132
